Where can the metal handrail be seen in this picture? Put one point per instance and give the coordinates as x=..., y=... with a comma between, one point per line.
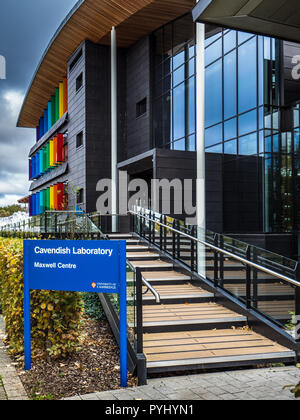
x=147, y=284
x=222, y=251
x=152, y=290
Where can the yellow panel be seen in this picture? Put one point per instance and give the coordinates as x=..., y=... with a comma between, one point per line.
x=51, y=154
x=61, y=99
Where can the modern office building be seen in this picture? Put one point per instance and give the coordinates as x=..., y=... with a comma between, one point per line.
x=252, y=116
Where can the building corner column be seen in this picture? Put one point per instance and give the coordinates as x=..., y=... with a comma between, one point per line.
x=114, y=129
x=200, y=137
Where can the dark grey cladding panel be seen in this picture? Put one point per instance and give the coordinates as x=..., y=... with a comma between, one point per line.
x=138, y=88
x=51, y=176
x=57, y=126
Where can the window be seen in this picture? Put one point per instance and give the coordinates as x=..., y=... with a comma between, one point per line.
x=174, y=104
x=141, y=108
x=230, y=102
x=79, y=140
x=79, y=82
x=247, y=76
x=75, y=61
x=214, y=93
x=80, y=196
x=214, y=135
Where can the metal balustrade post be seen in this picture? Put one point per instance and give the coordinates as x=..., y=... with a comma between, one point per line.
x=255, y=280
x=161, y=233
x=216, y=261
x=174, y=240
x=193, y=248
x=248, y=278
x=139, y=311
x=178, y=243
x=221, y=262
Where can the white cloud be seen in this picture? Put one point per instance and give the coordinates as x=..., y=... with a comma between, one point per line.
x=15, y=144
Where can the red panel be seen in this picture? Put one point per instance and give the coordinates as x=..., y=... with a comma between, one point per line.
x=60, y=196
x=60, y=148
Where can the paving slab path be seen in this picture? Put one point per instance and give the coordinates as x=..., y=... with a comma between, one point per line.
x=11, y=387
x=256, y=384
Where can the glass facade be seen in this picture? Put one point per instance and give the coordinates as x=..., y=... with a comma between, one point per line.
x=245, y=121
x=175, y=86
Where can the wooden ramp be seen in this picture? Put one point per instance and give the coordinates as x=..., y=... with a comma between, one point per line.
x=189, y=329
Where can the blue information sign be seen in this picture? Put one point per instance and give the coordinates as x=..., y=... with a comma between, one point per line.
x=76, y=266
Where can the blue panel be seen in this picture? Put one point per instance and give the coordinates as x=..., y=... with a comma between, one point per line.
x=45, y=121
x=37, y=164
x=41, y=162
x=49, y=115
x=42, y=127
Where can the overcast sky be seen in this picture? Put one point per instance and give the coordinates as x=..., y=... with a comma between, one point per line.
x=26, y=28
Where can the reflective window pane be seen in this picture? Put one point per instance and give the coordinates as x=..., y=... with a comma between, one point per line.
x=230, y=129
x=213, y=94
x=215, y=149
x=230, y=100
x=247, y=76
x=191, y=101
x=213, y=52
x=243, y=36
x=179, y=145
x=213, y=135
x=229, y=41
x=179, y=111
x=191, y=146
x=178, y=59
x=248, y=123
x=248, y=144
x=212, y=39
x=179, y=76
x=230, y=147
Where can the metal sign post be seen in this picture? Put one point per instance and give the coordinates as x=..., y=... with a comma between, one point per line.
x=76, y=266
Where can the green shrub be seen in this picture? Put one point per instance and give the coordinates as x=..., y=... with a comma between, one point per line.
x=92, y=306
x=10, y=210
x=55, y=316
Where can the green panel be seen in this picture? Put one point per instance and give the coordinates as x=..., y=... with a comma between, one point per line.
x=48, y=156
x=53, y=112
x=44, y=159
x=57, y=104
x=45, y=200
x=48, y=198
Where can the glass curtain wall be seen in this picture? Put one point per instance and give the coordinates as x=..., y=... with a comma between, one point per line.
x=245, y=122
x=175, y=86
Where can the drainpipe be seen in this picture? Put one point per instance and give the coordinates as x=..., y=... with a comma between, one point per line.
x=200, y=137
x=114, y=128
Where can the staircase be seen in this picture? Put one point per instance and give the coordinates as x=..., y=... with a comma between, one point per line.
x=190, y=328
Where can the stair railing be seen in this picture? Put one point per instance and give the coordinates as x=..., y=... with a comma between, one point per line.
x=263, y=270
